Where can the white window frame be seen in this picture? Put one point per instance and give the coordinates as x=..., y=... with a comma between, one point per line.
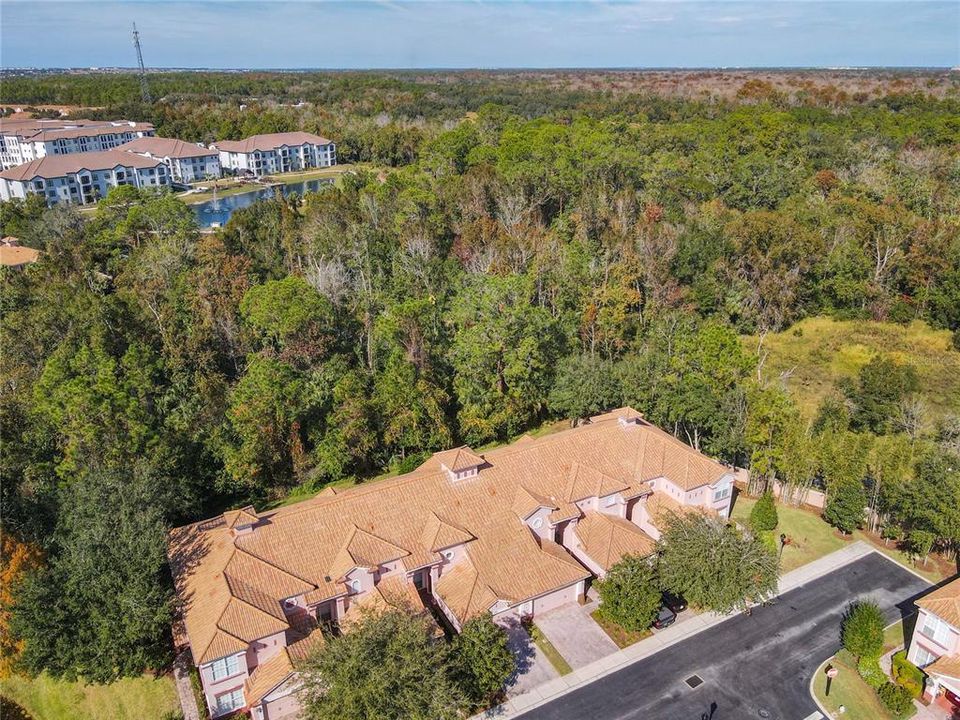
x=610, y=501
x=926, y=658
x=448, y=555
x=537, y=523
x=355, y=585
x=721, y=493
x=935, y=629
x=234, y=700
x=225, y=667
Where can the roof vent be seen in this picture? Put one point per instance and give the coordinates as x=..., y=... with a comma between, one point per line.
x=628, y=420
x=694, y=681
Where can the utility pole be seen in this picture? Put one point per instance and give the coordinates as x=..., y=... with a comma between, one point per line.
x=144, y=90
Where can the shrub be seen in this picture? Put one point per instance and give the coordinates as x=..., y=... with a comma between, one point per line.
x=846, y=500
x=862, y=630
x=907, y=675
x=895, y=698
x=763, y=517
x=482, y=660
x=869, y=669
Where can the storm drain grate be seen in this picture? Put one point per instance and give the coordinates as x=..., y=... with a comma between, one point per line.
x=694, y=681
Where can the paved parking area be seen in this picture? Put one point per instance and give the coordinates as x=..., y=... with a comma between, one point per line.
x=747, y=667
x=575, y=635
x=533, y=667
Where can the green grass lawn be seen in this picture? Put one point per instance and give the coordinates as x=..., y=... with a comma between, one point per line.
x=142, y=698
x=898, y=635
x=819, y=351
x=546, y=647
x=621, y=636
x=849, y=689
x=810, y=537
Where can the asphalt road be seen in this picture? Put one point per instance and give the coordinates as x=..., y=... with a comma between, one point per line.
x=756, y=666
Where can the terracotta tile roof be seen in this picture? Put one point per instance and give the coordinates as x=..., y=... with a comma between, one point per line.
x=267, y=676
x=438, y=534
x=948, y=665
x=525, y=503
x=584, y=482
x=51, y=166
x=167, y=147
x=606, y=539
x=457, y=459
x=390, y=593
x=462, y=590
x=407, y=517
x=565, y=511
x=269, y=142
x=17, y=255
x=241, y=517
x=944, y=602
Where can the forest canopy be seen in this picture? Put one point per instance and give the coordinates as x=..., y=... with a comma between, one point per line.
x=492, y=263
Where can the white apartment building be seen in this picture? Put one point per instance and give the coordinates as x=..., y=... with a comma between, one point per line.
x=276, y=153
x=23, y=141
x=82, y=178
x=187, y=162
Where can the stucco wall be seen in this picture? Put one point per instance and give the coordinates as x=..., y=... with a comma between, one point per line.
x=211, y=688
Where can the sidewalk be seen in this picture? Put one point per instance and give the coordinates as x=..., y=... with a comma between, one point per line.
x=667, y=637
x=181, y=677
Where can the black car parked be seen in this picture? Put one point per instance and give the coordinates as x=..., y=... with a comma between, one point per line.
x=674, y=602
x=665, y=618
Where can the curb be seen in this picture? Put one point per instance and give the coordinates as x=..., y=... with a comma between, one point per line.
x=621, y=659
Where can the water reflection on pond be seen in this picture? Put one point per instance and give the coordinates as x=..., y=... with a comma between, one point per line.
x=213, y=212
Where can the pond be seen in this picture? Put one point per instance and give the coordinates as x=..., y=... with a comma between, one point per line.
x=212, y=213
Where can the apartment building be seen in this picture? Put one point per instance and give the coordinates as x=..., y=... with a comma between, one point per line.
x=935, y=645
x=23, y=141
x=82, y=178
x=276, y=153
x=187, y=162
x=511, y=532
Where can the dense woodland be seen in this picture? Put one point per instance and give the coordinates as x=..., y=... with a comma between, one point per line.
x=504, y=254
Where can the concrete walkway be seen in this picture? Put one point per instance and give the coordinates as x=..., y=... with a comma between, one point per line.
x=533, y=667
x=181, y=678
x=678, y=631
x=576, y=635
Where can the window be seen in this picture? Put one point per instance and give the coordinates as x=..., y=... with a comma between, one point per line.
x=229, y=701
x=721, y=494
x=936, y=629
x=448, y=555
x=225, y=667
x=923, y=657
x=610, y=501
x=355, y=585
x=537, y=523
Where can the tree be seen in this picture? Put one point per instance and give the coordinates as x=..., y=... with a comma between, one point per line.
x=17, y=560
x=862, y=630
x=584, y=386
x=881, y=386
x=387, y=667
x=630, y=593
x=715, y=566
x=110, y=544
x=482, y=660
x=763, y=516
x=846, y=502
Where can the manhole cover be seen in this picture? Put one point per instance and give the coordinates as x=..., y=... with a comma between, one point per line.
x=763, y=712
x=694, y=681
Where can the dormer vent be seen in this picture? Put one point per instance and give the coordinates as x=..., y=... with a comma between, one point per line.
x=630, y=420
x=460, y=463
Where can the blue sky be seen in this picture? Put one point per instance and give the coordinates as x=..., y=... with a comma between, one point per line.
x=481, y=33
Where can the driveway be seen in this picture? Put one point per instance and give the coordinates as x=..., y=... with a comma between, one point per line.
x=756, y=666
x=533, y=667
x=575, y=635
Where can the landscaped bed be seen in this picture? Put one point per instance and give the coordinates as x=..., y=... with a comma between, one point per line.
x=621, y=636
x=850, y=690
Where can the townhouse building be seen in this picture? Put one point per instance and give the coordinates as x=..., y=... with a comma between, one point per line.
x=186, y=162
x=935, y=645
x=512, y=532
x=82, y=178
x=23, y=141
x=276, y=153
